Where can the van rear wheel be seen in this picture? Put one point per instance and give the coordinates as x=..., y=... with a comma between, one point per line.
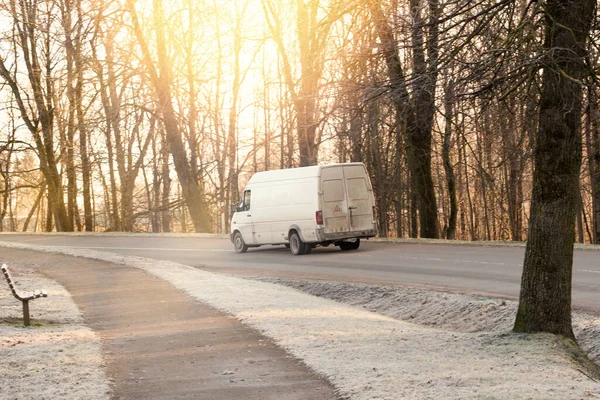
x=297, y=246
x=239, y=244
x=345, y=246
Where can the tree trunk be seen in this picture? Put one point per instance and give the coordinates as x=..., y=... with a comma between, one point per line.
x=35, y=206
x=545, y=299
x=69, y=138
x=166, y=189
x=81, y=126
x=592, y=138
x=400, y=188
x=448, y=168
x=232, y=141
x=419, y=136
x=512, y=149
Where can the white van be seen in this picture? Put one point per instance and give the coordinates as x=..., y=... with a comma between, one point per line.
x=306, y=207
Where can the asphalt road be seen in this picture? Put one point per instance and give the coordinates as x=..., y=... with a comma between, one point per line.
x=490, y=270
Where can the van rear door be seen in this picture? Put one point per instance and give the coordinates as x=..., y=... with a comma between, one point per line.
x=359, y=195
x=335, y=210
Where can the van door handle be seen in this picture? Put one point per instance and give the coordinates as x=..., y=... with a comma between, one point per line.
x=351, y=208
x=248, y=215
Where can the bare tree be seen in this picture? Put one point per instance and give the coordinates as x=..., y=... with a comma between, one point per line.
x=545, y=299
x=38, y=117
x=312, y=37
x=415, y=112
x=162, y=78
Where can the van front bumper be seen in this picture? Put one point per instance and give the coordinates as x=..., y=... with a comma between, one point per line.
x=332, y=236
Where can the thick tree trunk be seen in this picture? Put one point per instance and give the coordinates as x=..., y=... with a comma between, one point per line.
x=419, y=135
x=545, y=300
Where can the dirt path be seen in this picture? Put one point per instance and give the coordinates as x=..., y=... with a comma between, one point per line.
x=160, y=343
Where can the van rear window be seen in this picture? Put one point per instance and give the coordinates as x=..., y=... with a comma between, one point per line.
x=357, y=189
x=333, y=190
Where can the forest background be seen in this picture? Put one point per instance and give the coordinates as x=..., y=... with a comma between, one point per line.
x=124, y=115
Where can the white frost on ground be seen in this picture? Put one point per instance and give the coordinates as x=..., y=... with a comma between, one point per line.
x=57, y=357
x=448, y=311
x=370, y=356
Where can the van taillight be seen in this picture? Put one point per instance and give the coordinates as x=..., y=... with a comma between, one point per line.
x=374, y=215
x=319, y=217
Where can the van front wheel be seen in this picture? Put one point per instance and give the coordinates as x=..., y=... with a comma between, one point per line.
x=350, y=245
x=297, y=246
x=238, y=243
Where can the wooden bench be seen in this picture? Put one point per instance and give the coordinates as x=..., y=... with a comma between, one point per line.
x=25, y=298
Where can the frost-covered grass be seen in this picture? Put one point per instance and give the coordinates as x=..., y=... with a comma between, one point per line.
x=58, y=357
x=448, y=311
x=368, y=355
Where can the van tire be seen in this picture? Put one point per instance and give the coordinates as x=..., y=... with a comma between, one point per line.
x=297, y=246
x=238, y=243
x=345, y=246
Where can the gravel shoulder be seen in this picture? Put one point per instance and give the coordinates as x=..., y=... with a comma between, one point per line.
x=369, y=355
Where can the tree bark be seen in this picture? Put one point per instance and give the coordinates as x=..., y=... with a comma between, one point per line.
x=545, y=299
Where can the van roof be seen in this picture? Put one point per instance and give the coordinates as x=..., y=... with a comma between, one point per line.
x=294, y=173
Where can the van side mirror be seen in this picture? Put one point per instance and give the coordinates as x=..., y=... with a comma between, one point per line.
x=233, y=209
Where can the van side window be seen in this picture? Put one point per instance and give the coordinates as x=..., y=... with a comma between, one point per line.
x=246, y=201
